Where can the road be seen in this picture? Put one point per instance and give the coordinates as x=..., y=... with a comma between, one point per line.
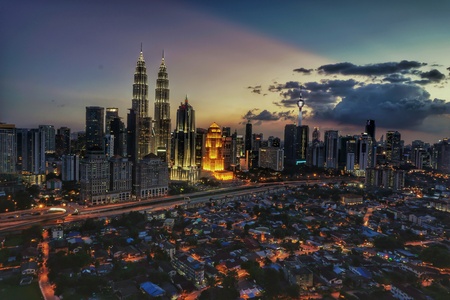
x=44, y=284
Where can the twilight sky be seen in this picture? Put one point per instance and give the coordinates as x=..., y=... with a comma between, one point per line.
x=236, y=60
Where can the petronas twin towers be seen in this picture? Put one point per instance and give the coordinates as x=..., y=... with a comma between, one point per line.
x=151, y=136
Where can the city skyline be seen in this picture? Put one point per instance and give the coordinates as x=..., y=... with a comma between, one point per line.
x=351, y=62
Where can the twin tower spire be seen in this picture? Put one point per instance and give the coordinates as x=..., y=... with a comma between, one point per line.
x=152, y=136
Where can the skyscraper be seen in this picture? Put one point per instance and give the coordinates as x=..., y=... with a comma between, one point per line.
x=393, y=146
x=94, y=127
x=111, y=114
x=213, y=160
x=140, y=106
x=370, y=129
x=8, y=151
x=302, y=141
x=331, y=149
x=162, y=113
x=184, y=167
x=290, y=132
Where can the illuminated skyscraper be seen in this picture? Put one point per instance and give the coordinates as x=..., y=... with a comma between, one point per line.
x=140, y=106
x=162, y=113
x=213, y=160
x=184, y=167
x=111, y=114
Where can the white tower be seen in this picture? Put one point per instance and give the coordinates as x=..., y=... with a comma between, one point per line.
x=300, y=104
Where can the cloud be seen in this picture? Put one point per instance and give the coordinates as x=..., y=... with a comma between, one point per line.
x=433, y=75
x=255, y=89
x=394, y=78
x=266, y=116
x=347, y=68
x=399, y=106
x=303, y=70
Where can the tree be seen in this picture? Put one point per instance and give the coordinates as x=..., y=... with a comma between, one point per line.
x=436, y=254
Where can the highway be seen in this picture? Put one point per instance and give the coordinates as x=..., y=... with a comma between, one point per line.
x=17, y=221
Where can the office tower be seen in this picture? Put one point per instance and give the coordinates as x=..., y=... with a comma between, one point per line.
x=272, y=158
x=120, y=171
x=350, y=153
x=370, y=129
x=442, y=156
x=94, y=178
x=23, y=150
x=8, y=148
x=213, y=160
x=48, y=136
x=63, y=141
x=248, y=136
x=393, y=146
x=365, y=152
x=70, y=167
x=162, y=113
x=153, y=177
x=301, y=145
x=228, y=151
x=94, y=128
x=111, y=114
x=331, y=149
x=132, y=136
x=36, y=144
x=108, y=145
x=290, y=133
x=184, y=167
x=119, y=132
x=200, y=139
x=226, y=131
x=257, y=140
x=140, y=106
x=316, y=135
x=342, y=156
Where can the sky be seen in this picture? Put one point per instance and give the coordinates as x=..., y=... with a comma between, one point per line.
x=237, y=61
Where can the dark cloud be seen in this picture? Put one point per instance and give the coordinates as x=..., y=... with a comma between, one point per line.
x=278, y=87
x=395, y=105
x=303, y=70
x=433, y=75
x=394, y=78
x=266, y=116
x=347, y=68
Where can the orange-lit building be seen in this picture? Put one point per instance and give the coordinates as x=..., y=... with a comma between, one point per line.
x=213, y=160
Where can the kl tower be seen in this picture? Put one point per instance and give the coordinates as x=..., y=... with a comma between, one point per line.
x=300, y=104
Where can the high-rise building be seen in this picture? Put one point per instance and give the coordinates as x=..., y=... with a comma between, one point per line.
x=119, y=132
x=48, y=137
x=370, y=129
x=70, y=170
x=95, y=125
x=140, y=106
x=111, y=114
x=442, y=155
x=393, y=146
x=63, y=141
x=162, y=113
x=331, y=149
x=213, y=160
x=290, y=133
x=95, y=178
x=184, y=166
x=316, y=135
x=350, y=153
x=365, y=152
x=272, y=158
x=120, y=171
x=153, y=177
x=8, y=150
